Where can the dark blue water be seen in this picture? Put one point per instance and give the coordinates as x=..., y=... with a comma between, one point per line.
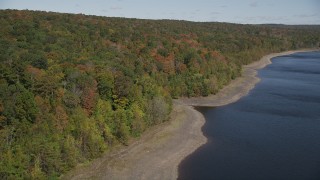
x=272, y=133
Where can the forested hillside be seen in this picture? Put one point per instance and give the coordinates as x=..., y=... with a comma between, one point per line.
x=73, y=86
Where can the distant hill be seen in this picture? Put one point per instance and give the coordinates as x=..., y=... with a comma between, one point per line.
x=73, y=86
x=316, y=27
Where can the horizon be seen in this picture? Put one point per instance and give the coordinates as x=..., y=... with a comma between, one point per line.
x=275, y=24
x=247, y=12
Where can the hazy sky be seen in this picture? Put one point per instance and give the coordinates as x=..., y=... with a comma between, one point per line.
x=236, y=11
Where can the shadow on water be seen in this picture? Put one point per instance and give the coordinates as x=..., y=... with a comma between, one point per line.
x=272, y=133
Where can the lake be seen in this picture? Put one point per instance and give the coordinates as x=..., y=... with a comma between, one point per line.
x=272, y=133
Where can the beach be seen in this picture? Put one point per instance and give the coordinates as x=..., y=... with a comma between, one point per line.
x=159, y=151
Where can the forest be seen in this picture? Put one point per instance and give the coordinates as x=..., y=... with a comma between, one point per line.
x=74, y=86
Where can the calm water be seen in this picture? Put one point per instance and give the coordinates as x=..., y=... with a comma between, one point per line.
x=272, y=133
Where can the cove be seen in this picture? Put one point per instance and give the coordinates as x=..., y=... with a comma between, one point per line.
x=272, y=133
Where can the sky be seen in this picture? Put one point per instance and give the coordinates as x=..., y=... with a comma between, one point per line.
x=234, y=11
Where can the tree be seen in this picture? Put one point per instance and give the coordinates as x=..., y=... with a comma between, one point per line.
x=163, y=52
x=122, y=129
x=87, y=135
x=138, y=124
x=22, y=104
x=88, y=99
x=157, y=110
x=105, y=85
x=61, y=118
x=3, y=119
x=46, y=85
x=36, y=171
x=122, y=85
x=13, y=164
x=70, y=151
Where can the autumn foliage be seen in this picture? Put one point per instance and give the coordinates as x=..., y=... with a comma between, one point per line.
x=74, y=86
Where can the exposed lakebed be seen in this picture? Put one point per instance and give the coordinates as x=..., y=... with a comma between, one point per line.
x=272, y=133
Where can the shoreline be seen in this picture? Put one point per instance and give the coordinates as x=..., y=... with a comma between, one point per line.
x=240, y=86
x=155, y=155
x=159, y=151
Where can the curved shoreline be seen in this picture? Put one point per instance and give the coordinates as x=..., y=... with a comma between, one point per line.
x=158, y=153
x=238, y=87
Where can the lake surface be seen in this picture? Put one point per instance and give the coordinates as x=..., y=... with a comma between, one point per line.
x=272, y=133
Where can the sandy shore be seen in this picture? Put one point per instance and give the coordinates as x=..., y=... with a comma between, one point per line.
x=157, y=154
x=238, y=87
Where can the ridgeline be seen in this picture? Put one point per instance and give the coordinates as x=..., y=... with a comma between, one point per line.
x=73, y=86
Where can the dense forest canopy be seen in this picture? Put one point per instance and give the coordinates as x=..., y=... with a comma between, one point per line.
x=73, y=86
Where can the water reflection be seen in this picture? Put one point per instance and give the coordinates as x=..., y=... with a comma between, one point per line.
x=272, y=133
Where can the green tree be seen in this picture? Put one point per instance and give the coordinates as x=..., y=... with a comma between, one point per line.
x=105, y=85
x=157, y=110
